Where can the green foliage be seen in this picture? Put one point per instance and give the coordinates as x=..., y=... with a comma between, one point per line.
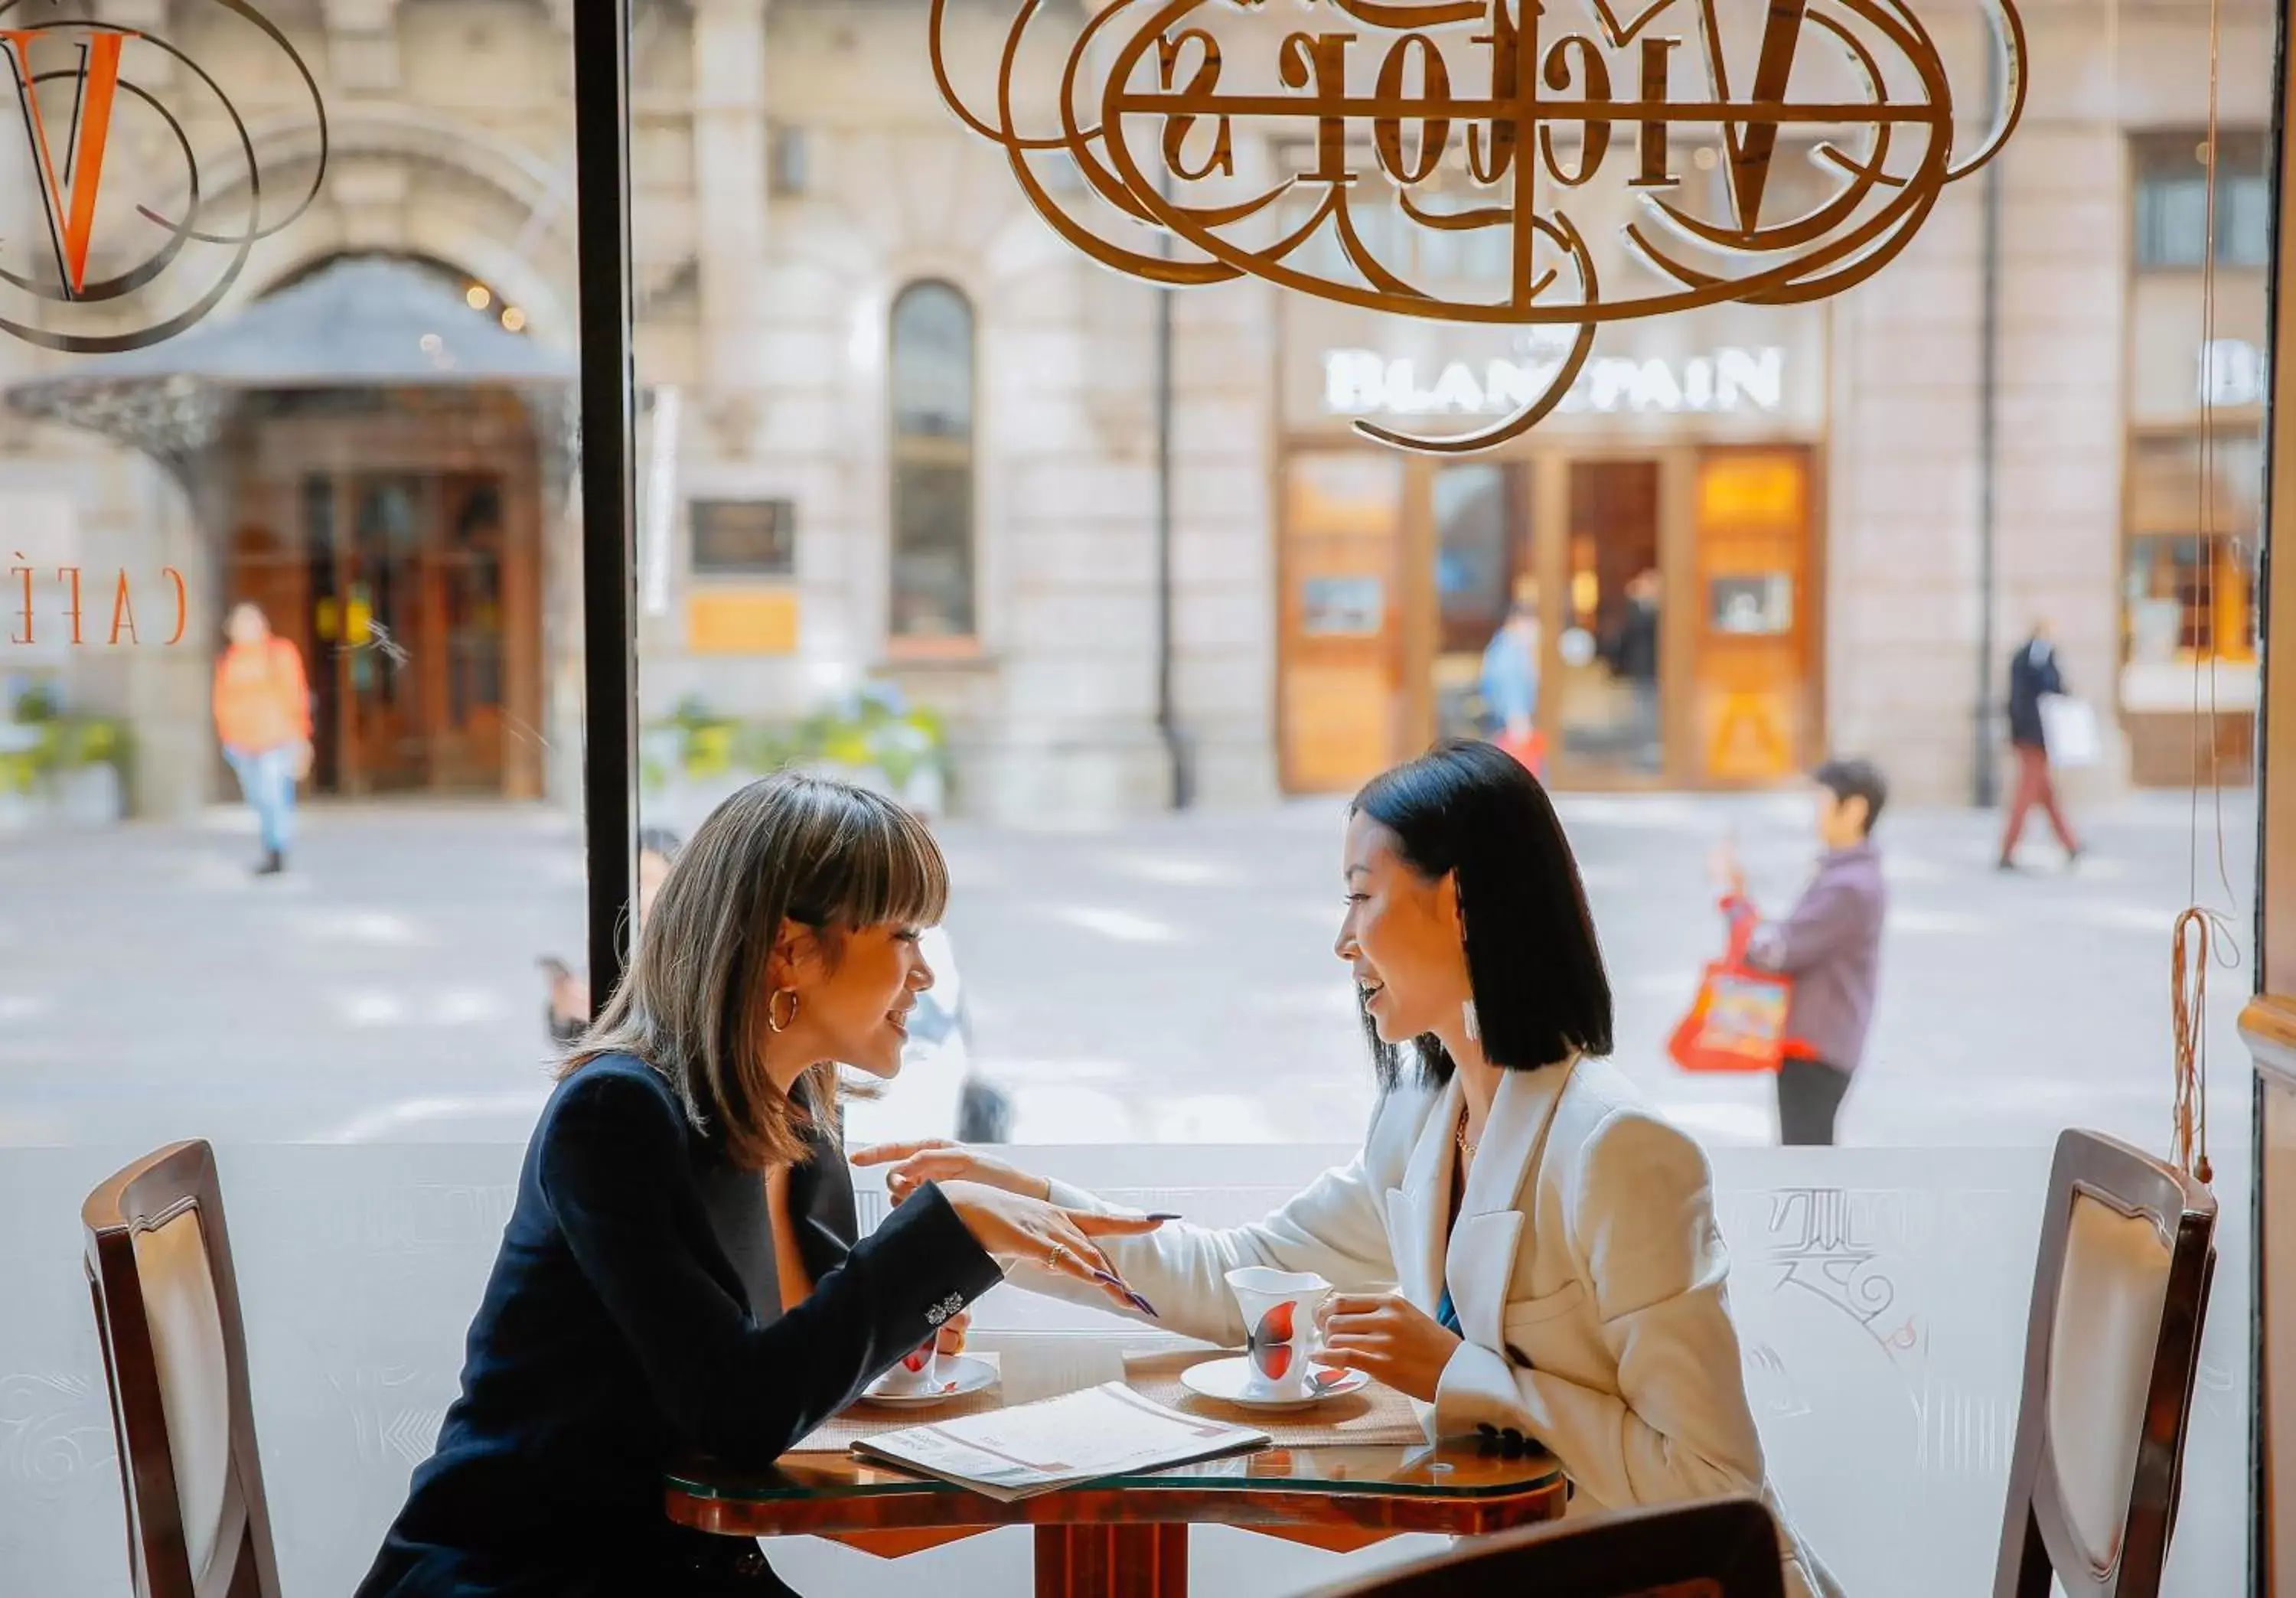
x=63, y=744
x=37, y=702
x=873, y=729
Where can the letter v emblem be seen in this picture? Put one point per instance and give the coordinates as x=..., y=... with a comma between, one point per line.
x=71, y=219
x=1751, y=144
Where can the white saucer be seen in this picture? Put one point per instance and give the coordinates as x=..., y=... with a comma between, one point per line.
x=960, y=1374
x=1232, y=1382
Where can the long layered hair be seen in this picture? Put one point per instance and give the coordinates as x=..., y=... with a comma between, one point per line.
x=692, y=1003
x=1533, y=964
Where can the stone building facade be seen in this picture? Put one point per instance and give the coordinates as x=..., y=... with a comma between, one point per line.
x=980, y=525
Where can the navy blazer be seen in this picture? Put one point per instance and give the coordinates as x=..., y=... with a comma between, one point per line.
x=2033, y=674
x=634, y=1310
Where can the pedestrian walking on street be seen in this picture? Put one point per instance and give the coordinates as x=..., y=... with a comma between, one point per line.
x=1510, y=676
x=1510, y=681
x=2034, y=674
x=1634, y=654
x=1831, y=945
x=263, y=720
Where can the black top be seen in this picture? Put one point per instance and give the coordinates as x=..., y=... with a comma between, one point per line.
x=2033, y=672
x=1634, y=649
x=632, y=1311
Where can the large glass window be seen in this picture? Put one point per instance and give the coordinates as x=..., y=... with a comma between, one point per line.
x=899, y=521
x=2172, y=200
x=292, y=700
x=932, y=391
x=2191, y=592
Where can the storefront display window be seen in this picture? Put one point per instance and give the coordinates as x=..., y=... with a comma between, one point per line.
x=1607, y=705
x=2190, y=595
x=2172, y=201
x=1480, y=554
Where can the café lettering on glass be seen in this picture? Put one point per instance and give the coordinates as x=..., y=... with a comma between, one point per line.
x=1528, y=103
x=75, y=591
x=130, y=255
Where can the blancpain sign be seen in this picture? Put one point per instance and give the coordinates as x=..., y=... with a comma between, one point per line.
x=1364, y=382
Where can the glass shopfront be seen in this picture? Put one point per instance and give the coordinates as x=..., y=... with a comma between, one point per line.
x=865, y=484
x=2194, y=492
x=1652, y=551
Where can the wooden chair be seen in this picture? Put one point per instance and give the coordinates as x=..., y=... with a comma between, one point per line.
x=174, y=1352
x=1722, y=1548
x=2111, y=1347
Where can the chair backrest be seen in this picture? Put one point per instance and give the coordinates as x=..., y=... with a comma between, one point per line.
x=2111, y=1347
x=174, y=1351
x=1720, y=1548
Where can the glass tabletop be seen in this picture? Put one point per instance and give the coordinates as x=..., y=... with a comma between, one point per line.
x=1467, y=1467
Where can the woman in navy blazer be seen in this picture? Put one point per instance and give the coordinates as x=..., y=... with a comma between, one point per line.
x=679, y=1269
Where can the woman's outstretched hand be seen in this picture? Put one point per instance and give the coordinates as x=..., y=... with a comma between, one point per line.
x=1387, y=1337
x=938, y=1160
x=1015, y=1229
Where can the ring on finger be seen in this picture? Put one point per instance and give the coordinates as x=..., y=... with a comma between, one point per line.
x=1059, y=1255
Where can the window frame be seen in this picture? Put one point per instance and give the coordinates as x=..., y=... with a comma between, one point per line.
x=963, y=450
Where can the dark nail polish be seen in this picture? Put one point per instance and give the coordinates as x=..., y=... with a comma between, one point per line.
x=1142, y=1304
x=1165, y=1215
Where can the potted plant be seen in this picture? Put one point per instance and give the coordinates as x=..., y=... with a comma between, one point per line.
x=872, y=737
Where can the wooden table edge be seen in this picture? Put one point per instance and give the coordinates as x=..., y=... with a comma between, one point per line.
x=936, y=1508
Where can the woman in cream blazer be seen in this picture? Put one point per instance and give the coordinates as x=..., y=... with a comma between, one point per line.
x=1522, y=1245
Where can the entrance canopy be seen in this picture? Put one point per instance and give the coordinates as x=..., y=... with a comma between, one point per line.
x=361, y=322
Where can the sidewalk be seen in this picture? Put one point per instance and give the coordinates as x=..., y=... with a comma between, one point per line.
x=1170, y=980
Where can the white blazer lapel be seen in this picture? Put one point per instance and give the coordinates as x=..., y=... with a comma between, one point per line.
x=1417, y=1210
x=1480, y=1263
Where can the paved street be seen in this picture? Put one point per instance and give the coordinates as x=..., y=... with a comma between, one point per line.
x=1168, y=981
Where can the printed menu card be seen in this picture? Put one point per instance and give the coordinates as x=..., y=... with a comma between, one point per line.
x=1031, y=1448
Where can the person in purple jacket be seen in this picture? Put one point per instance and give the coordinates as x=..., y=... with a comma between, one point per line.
x=1830, y=945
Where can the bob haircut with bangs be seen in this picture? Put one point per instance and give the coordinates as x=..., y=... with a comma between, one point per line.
x=691, y=1004
x=1471, y=810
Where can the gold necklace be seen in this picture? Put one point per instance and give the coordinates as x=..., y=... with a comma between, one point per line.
x=1466, y=1147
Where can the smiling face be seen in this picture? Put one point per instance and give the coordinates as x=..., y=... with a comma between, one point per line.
x=1400, y=937
x=853, y=995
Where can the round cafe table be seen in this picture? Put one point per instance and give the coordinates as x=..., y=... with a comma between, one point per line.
x=1127, y=1536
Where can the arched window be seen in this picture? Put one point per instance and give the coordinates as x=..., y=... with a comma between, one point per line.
x=932, y=464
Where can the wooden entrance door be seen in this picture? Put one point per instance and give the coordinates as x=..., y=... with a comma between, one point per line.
x=1602, y=703
x=1343, y=704
x=413, y=617
x=398, y=545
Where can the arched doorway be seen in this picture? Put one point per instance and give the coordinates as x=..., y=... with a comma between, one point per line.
x=395, y=537
x=394, y=531
x=368, y=448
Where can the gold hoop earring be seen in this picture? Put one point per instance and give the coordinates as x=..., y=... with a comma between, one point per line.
x=773, y=1013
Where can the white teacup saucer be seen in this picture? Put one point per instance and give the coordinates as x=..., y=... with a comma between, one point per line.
x=960, y=1374
x=1234, y=1382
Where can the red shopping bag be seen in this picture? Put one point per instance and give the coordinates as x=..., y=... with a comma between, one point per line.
x=1530, y=749
x=1738, y=1020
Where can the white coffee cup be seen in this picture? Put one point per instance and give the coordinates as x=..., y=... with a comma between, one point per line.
x=1279, y=1320
x=914, y=1375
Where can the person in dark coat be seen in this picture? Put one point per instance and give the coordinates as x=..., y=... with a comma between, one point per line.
x=680, y=1270
x=2034, y=674
x=1634, y=659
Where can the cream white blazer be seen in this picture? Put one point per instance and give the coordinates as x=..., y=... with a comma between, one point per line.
x=1584, y=1267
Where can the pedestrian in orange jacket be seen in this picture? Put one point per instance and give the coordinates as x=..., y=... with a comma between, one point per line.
x=263, y=720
